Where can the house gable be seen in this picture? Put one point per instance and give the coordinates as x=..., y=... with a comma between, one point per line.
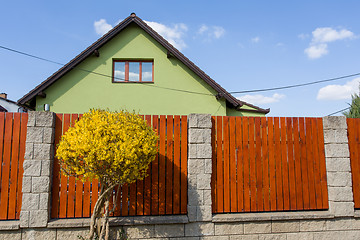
x=72, y=89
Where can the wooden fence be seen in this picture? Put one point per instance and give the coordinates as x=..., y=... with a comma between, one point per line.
x=354, y=147
x=12, y=151
x=163, y=192
x=268, y=164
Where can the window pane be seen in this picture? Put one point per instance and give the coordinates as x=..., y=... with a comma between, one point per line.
x=147, y=71
x=119, y=71
x=134, y=71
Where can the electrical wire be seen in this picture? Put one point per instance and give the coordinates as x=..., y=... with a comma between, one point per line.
x=297, y=85
x=339, y=111
x=187, y=91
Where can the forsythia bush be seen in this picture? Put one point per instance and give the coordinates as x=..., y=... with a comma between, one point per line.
x=114, y=147
x=117, y=146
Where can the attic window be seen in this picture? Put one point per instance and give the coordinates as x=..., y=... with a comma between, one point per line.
x=133, y=71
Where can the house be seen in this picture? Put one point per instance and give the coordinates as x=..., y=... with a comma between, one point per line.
x=7, y=105
x=132, y=67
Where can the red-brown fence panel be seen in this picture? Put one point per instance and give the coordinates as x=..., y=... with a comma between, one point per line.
x=162, y=192
x=354, y=147
x=12, y=151
x=268, y=164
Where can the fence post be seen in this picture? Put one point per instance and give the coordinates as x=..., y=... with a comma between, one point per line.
x=39, y=155
x=199, y=167
x=338, y=169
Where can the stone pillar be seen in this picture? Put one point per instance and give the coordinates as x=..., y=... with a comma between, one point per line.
x=338, y=169
x=199, y=168
x=37, y=165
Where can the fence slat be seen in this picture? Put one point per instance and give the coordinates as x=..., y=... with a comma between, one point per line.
x=125, y=200
x=279, y=184
x=291, y=162
x=232, y=177
x=245, y=128
x=162, y=164
x=147, y=181
x=5, y=174
x=155, y=174
x=184, y=156
x=177, y=168
x=297, y=159
x=304, y=165
x=23, y=131
x=253, y=203
x=14, y=165
x=169, y=165
x=317, y=176
x=265, y=164
x=325, y=202
x=284, y=164
x=226, y=165
x=240, y=164
x=259, y=163
x=272, y=168
x=353, y=134
x=219, y=167
x=213, y=164
x=310, y=157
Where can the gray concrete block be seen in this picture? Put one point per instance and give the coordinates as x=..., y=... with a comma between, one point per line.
x=169, y=230
x=71, y=234
x=192, y=182
x=300, y=236
x=38, y=218
x=197, y=135
x=244, y=237
x=31, y=119
x=196, y=166
x=30, y=201
x=338, y=165
x=40, y=184
x=49, y=135
x=208, y=166
x=343, y=224
x=44, y=119
x=43, y=234
x=34, y=135
x=199, y=229
x=195, y=197
x=26, y=184
x=29, y=151
x=192, y=213
x=204, y=214
x=199, y=120
x=32, y=168
x=141, y=231
x=204, y=181
x=272, y=237
x=312, y=225
x=207, y=197
x=10, y=235
x=24, y=219
x=337, y=151
x=341, y=209
x=335, y=136
x=45, y=167
x=44, y=201
x=257, y=227
x=229, y=228
x=285, y=226
x=340, y=194
x=334, y=122
x=339, y=179
x=204, y=150
x=43, y=151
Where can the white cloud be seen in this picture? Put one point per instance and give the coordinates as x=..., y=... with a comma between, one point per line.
x=323, y=35
x=261, y=99
x=317, y=51
x=339, y=92
x=212, y=32
x=173, y=35
x=255, y=39
x=318, y=46
x=102, y=27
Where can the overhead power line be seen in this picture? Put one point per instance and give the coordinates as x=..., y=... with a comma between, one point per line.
x=187, y=91
x=297, y=85
x=342, y=110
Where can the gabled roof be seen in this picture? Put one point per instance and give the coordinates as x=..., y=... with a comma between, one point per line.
x=2, y=109
x=235, y=103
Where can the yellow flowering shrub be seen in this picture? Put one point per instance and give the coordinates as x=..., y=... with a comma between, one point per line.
x=115, y=147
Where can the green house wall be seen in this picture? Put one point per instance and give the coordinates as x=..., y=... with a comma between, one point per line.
x=78, y=91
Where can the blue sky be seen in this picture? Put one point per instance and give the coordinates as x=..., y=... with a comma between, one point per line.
x=243, y=45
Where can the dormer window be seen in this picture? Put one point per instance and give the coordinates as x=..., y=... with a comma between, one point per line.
x=133, y=71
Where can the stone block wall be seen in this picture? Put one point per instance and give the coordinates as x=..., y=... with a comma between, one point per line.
x=341, y=221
